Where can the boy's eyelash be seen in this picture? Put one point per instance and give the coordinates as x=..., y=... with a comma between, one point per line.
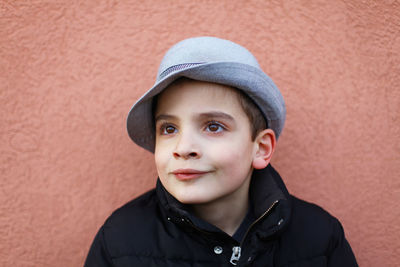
x=216, y=123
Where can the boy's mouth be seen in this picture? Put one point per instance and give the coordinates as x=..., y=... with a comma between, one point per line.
x=188, y=174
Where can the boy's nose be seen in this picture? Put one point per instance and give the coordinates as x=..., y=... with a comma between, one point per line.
x=184, y=155
x=186, y=148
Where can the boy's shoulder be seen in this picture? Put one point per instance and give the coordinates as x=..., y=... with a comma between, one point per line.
x=305, y=210
x=312, y=229
x=315, y=235
x=311, y=214
x=143, y=206
x=129, y=230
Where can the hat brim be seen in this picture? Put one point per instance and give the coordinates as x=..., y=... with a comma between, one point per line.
x=251, y=80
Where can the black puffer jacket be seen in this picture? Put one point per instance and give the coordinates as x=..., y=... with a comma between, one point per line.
x=156, y=230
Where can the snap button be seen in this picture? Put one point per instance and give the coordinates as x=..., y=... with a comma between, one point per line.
x=280, y=222
x=218, y=250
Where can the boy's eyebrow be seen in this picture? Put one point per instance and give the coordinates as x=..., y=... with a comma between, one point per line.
x=164, y=117
x=216, y=114
x=212, y=114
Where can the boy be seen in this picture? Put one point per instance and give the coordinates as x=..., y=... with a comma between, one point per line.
x=212, y=120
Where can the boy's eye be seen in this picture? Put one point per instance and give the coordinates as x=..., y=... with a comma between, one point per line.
x=168, y=129
x=215, y=127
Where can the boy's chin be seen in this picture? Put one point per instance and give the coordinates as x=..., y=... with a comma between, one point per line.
x=190, y=200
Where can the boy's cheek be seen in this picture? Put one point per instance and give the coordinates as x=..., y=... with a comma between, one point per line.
x=160, y=160
x=161, y=148
x=228, y=158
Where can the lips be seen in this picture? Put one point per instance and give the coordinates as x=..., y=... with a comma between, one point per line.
x=188, y=174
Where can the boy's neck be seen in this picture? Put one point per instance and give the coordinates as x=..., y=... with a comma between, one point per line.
x=226, y=213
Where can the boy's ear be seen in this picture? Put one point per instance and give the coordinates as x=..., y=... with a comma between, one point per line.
x=264, y=148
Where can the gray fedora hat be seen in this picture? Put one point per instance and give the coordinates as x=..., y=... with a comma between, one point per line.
x=208, y=59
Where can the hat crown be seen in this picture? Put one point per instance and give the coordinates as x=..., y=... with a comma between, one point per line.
x=205, y=49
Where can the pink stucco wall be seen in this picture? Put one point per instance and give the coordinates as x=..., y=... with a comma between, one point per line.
x=70, y=70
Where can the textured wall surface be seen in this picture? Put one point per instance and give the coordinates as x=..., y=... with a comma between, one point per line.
x=70, y=70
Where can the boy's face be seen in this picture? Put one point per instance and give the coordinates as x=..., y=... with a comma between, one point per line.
x=203, y=151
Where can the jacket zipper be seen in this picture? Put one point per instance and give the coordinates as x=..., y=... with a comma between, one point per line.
x=236, y=251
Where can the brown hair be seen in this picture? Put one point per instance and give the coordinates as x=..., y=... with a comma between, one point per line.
x=256, y=118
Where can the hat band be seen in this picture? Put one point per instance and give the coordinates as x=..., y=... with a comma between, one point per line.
x=176, y=68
